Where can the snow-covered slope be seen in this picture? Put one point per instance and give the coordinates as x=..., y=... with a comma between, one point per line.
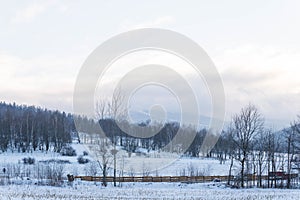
x=174, y=166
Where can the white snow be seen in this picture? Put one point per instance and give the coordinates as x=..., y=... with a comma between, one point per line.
x=90, y=190
x=157, y=164
x=143, y=191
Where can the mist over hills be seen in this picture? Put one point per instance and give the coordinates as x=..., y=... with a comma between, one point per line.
x=143, y=116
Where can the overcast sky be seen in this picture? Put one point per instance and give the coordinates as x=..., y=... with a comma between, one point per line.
x=254, y=44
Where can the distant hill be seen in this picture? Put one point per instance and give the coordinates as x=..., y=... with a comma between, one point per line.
x=143, y=116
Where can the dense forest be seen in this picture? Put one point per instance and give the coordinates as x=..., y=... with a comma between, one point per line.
x=29, y=128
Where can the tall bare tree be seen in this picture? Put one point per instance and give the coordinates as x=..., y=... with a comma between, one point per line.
x=245, y=126
x=290, y=141
x=103, y=157
x=231, y=146
x=116, y=111
x=113, y=109
x=261, y=154
x=293, y=146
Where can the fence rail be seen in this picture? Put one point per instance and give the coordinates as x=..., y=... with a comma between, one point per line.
x=189, y=179
x=155, y=178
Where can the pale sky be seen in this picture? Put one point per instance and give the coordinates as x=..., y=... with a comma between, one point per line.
x=255, y=45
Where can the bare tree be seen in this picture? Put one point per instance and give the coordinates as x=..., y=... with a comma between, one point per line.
x=101, y=109
x=231, y=151
x=116, y=108
x=260, y=155
x=296, y=128
x=103, y=157
x=113, y=109
x=116, y=111
x=293, y=146
x=290, y=139
x=245, y=126
x=272, y=146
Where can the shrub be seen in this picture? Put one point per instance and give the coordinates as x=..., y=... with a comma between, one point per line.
x=68, y=151
x=54, y=173
x=58, y=161
x=82, y=160
x=85, y=153
x=91, y=169
x=29, y=161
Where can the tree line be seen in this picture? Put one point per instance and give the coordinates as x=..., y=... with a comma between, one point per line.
x=261, y=151
x=29, y=128
x=258, y=150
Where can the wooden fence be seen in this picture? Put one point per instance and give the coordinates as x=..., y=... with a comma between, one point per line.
x=190, y=179
x=187, y=179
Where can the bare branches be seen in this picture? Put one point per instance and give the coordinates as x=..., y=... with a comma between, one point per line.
x=101, y=109
x=245, y=126
x=295, y=131
x=116, y=107
x=103, y=157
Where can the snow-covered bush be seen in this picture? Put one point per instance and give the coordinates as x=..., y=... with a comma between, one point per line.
x=68, y=151
x=58, y=161
x=85, y=153
x=91, y=169
x=82, y=160
x=29, y=161
x=54, y=173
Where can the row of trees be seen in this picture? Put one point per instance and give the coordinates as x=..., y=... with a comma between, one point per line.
x=246, y=132
x=26, y=129
x=147, y=140
x=259, y=151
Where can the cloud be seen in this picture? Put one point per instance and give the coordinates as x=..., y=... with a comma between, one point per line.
x=156, y=23
x=43, y=80
x=266, y=76
x=171, y=91
x=36, y=9
x=29, y=13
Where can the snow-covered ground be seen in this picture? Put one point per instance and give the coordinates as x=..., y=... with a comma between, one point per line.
x=143, y=191
x=89, y=190
x=162, y=164
x=9, y=158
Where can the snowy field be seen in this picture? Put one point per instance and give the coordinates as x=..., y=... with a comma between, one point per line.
x=176, y=167
x=142, y=191
x=90, y=190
